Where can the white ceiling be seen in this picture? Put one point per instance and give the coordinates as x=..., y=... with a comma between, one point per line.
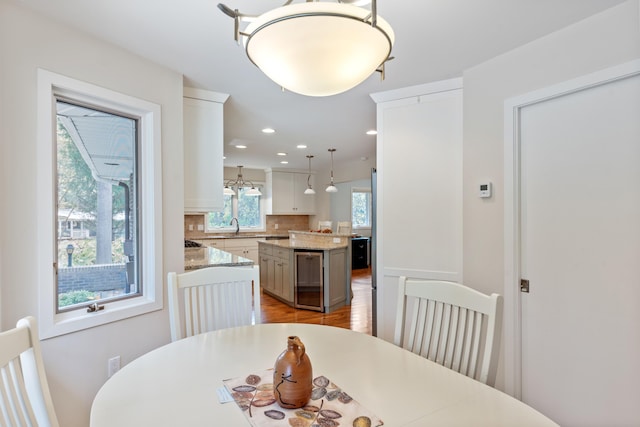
x=435, y=40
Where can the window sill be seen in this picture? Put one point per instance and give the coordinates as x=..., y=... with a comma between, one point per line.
x=76, y=320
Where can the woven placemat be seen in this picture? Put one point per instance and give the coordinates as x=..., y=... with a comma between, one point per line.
x=330, y=406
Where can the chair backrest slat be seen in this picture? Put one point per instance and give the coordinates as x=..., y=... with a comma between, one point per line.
x=16, y=407
x=450, y=324
x=25, y=399
x=213, y=298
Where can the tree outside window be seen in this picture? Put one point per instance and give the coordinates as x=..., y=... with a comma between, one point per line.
x=361, y=208
x=247, y=209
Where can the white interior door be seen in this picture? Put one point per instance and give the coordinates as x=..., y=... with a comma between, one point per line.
x=580, y=250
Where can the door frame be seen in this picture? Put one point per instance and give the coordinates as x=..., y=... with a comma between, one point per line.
x=512, y=321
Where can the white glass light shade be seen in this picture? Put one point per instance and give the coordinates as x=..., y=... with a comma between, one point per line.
x=309, y=191
x=318, y=48
x=228, y=191
x=252, y=192
x=331, y=189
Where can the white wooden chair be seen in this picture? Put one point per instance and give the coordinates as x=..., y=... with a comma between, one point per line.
x=25, y=399
x=213, y=298
x=450, y=324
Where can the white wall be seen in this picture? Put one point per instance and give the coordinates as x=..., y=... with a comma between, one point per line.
x=76, y=363
x=609, y=38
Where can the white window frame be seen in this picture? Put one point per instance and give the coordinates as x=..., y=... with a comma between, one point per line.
x=150, y=203
x=234, y=208
x=360, y=190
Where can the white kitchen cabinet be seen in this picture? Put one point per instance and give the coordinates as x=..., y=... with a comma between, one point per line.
x=203, y=150
x=285, y=192
x=244, y=247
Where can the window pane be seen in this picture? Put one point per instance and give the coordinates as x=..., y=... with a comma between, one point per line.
x=96, y=198
x=245, y=208
x=221, y=219
x=249, y=214
x=361, y=209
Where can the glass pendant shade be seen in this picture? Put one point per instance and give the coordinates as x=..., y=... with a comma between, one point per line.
x=309, y=191
x=228, y=191
x=331, y=189
x=253, y=192
x=318, y=48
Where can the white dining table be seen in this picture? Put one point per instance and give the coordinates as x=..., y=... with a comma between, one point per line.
x=176, y=385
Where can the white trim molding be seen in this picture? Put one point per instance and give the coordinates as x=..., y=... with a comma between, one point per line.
x=52, y=323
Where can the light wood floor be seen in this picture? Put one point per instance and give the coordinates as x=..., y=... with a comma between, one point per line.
x=356, y=316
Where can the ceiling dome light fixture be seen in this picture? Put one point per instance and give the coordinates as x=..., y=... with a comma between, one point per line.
x=240, y=183
x=331, y=188
x=316, y=48
x=309, y=190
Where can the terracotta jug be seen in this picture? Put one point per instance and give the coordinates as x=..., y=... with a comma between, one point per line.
x=293, y=376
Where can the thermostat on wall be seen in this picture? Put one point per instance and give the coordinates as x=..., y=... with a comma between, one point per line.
x=485, y=190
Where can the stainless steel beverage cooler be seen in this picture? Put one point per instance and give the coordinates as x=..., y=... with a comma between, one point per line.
x=308, y=287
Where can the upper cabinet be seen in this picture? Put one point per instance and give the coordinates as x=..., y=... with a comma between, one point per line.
x=203, y=150
x=285, y=193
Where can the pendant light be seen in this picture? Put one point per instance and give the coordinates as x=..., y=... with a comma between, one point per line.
x=331, y=188
x=309, y=190
x=240, y=183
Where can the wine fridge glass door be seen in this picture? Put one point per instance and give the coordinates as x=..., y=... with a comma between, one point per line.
x=309, y=284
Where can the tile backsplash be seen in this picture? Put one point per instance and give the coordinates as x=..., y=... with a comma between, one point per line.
x=194, y=225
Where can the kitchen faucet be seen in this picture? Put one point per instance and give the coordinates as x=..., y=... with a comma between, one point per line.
x=237, y=224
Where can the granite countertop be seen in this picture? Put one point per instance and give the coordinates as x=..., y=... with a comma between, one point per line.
x=311, y=245
x=195, y=258
x=240, y=236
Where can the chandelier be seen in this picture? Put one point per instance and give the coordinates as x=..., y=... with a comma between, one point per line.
x=316, y=48
x=239, y=183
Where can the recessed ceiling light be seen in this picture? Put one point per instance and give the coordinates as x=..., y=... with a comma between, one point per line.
x=282, y=154
x=372, y=132
x=268, y=130
x=241, y=146
x=301, y=146
x=284, y=162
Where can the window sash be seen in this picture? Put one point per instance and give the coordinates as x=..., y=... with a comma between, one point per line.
x=119, y=278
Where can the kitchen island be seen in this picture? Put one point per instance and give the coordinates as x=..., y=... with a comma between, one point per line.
x=203, y=257
x=309, y=270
